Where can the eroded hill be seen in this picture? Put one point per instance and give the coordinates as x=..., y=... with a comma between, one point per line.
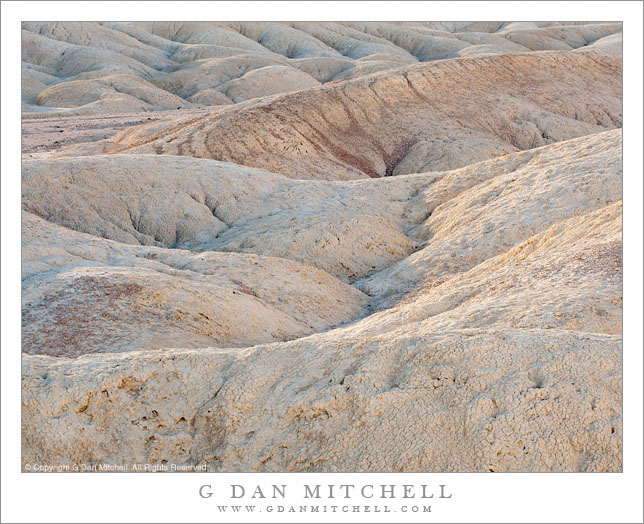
x=106, y=67
x=513, y=306
x=429, y=117
x=356, y=246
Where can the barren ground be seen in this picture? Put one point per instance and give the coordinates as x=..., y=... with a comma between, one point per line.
x=358, y=246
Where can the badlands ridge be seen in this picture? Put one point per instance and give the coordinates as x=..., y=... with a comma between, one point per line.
x=357, y=247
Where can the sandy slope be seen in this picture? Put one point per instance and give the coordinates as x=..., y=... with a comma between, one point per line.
x=429, y=117
x=517, y=331
x=94, y=68
x=355, y=246
x=84, y=295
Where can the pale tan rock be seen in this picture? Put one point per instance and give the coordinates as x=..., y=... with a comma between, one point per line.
x=324, y=69
x=561, y=37
x=483, y=400
x=507, y=359
x=162, y=51
x=269, y=80
x=186, y=292
x=444, y=153
x=421, y=46
x=31, y=88
x=283, y=39
x=566, y=277
x=209, y=33
x=84, y=295
x=65, y=60
x=348, y=229
x=77, y=93
x=215, y=73
x=485, y=105
x=482, y=210
x=611, y=45
x=97, y=36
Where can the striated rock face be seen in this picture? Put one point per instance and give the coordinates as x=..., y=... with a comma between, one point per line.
x=503, y=354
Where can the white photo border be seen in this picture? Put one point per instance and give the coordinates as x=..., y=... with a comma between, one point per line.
x=476, y=497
